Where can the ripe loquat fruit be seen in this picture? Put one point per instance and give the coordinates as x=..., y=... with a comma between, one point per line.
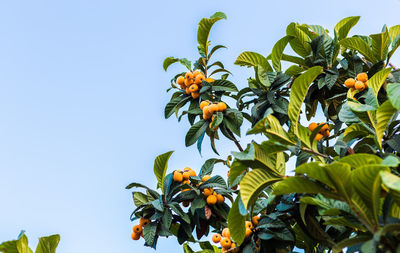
x=189, y=75
x=208, y=191
x=135, y=236
x=326, y=133
x=255, y=220
x=312, y=126
x=178, y=177
x=209, y=80
x=199, y=79
x=350, y=83
x=186, y=175
x=203, y=104
x=248, y=233
x=187, y=91
x=359, y=86
x=205, y=178
x=196, y=73
x=221, y=107
x=318, y=136
x=213, y=108
x=180, y=80
x=211, y=200
x=188, y=82
x=226, y=243
x=249, y=225
x=216, y=238
x=324, y=128
x=137, y=229
x=363, y=77
x=193, y=88
x=226, y=232
x=143, y=222
x=195, y=95
x=220, y=199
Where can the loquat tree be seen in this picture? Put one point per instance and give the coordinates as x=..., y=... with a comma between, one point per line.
x=345, y=191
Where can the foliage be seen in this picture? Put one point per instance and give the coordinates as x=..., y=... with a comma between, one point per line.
x=46, y=245
x=345, y=192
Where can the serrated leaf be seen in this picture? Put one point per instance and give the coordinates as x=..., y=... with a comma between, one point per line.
x=380, y=45
x=149, y=233
x=377, y=80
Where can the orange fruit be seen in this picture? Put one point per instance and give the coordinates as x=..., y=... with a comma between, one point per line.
x=249, y=225
x=255, y=220
x=208, y=191
x=186, y=182
x=326, y=133
x=185, y=203
x=228, y=173
x=209, y=80
x=137, y=229
x=213, y=108
x=221, y=107
x=359, y=86
x=366, y=85
x=186, y=175
x=363, y=77
x=180, y=80
x=199, y=78
x=248, y=232
x=220, y=199
x=135, y=236
x=192, y=173
x=350, y=83
x=189, y=75
x=324, y=128
x=178, y=177
x=226, y=232
x=233, y=245
x=187, y=91
x=226, y=243
x=205, y=178
x=206, y=116
x=143, y=222
x=312, y=126
x=318, y=136
x=203, y=104
x=193, y=88
x=216, y=238
x=211, y=200
x=188, y=82
x=195, y=95
x=196, y=73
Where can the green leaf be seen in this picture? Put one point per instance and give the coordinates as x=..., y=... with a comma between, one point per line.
x=161, y=166
x=22, y=245
x=223, y=85
x=394, y=31
x=393, y=91
x=358, y=160
x=149, y=233
x=302, y=185
x=174, y=104
x=298, y=93
x=253, y=183
x=195, y=132
x=380, y=45
x=355, y=131
x=214, y=49
x=344, y=26
x=384, y=114
x=252, y=59
x=356, y=43
x=9, y=247
x=315, y=171
x=236, y=222
x=170, y=60
x=140, y=198
x=204, y=29
x=48, y=244
x=392, y=182
x=277, y=52
x=376, y=81
x=300, y=42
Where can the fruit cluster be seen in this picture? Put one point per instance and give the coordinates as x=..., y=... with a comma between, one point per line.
x=323, y=132
x=191, y=82
x=224, y=239
x=360, y=84
x=210, y=195
x=138, y=229
x=209, y=108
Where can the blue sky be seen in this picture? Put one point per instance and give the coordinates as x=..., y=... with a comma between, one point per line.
x=82, y=92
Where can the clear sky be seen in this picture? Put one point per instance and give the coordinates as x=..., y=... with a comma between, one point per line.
x=82, y=93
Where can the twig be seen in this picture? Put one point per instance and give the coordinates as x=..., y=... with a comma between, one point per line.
x=315, y=152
